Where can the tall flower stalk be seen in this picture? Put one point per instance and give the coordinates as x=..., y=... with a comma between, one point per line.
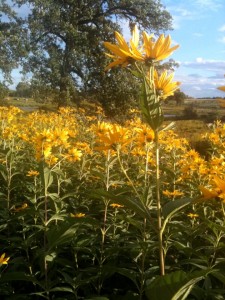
x=141, y=60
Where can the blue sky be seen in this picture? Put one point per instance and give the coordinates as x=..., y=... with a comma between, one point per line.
x=199, y=29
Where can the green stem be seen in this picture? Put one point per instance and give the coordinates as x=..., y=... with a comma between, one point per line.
x=125, y=173
x=159, y=212
x=143, y=257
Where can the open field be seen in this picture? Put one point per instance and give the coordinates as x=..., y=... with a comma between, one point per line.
x=204, y=111
x=203, y=107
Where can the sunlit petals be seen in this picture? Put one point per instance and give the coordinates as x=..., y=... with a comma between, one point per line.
x=124, y=54
x=116, y=50
x=148, y=45
x=192, y=216
x=32, y=173
x=220, y=184
x=158, y=50
x=120, y=57
x=4, y=260
x=114, y=137
x=78, y=215
x=164, y=85
x=173, y=194
x=218, y=191
x=221, y=88
x=206, y=194
x=51, y=159
x=20, y=208
x=134, y=43
x=115, y=205
x=73, y=155
x=84, y=147
x=144, y=135
x=121, y=41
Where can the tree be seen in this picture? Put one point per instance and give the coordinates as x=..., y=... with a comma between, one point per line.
x=66, y=39
x=4, y=91
x=178, y=96
x=12, y=39
x=23, y=89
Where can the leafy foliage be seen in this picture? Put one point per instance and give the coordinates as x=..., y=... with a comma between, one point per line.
x=65, y=44
x=12, y=40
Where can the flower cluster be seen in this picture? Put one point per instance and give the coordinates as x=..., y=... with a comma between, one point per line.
x=151, y=51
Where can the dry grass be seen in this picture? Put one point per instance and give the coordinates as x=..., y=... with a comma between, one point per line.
x=207, y=110
x=203, y=107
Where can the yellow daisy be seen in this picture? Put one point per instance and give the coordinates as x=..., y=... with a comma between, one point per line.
x=164, y=85
x=4, y=260
x=158, y=50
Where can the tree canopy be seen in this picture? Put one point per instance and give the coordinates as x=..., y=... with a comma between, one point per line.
x=12, y=40
x=65, y=39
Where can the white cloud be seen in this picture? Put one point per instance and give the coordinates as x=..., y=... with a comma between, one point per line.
x=197, y=88
x=191, y=10
x=222, y=40
x=206, y=77
x=197, y=34
x=210, y=65
x=181, y=13
x=222, y=28
x=209, y=4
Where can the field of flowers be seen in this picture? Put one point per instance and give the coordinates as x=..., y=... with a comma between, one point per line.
x=92, y=209
x=78, y=211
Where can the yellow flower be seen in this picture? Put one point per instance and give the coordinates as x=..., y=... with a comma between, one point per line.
x=33, y=173
x=145, y=135
x=164, y=85
x=221, y=88
x=4, y=260
x=73, y=155
x=44, y=136
x=60, y=137
x=51, y=160
x=193, y=216
x=115, y=205
x=78, y=215
x=219, y=191
x=123, y=54
x=20, y=208
x=175, y=193
x=114, y=137
x=158, y=50
x=47, y=151
x=84, y=147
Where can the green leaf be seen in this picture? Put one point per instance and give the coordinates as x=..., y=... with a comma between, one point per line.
x=17, y=276
x=60, y=235
x=45, y=175
x=150, y=106
x=147, y=196
x=56, y=217
x=170, y=208
x=174, y=286
x=134, y=204
x=132, y=275
x=62, y=289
